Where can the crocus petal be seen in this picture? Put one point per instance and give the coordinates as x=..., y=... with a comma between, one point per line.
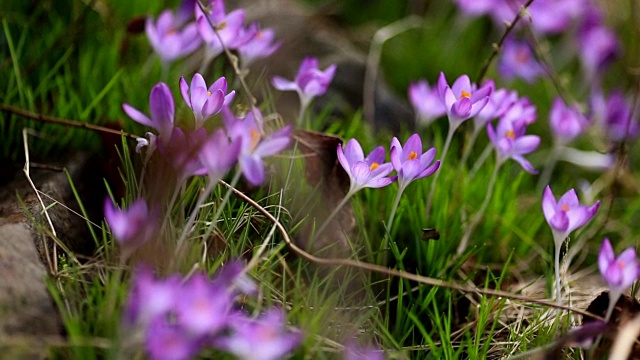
x=162, y=107
x=463, y=83
x=184, y=91
x=442, y=86
x=549, y=204
x=283, y=84
x=343, y=160
x=526, y=144
x=252, y=168
x=213, y=104
x=560, y=221
x=606, y=256
x=137, y=116
x=462, y=108
x=429, y=170
x=395, y=157
x=376, y=155
x=570, y=198
x=526, y=165
x=361, y=173
x=353, y=151
x=413, y=144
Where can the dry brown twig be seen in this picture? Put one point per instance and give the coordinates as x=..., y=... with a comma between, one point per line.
x=398, y=273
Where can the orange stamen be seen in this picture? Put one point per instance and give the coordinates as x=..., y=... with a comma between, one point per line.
x=412, y=155
x=221, y=26
x=255, y=138
x=510, y=134
x=465, y=94
x=208, y=93
x=374, y=166
x=565, y=207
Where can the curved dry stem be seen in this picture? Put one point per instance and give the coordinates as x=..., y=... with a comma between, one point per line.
x=398, y=273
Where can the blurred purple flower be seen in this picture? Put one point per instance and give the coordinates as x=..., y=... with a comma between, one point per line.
x=614, y=116
x=260, y=45
x=409, y=161
x=254, y=145
x=598, y=45
x=162, y=110
x=182, y=151
x=476, y=7
x=353, y=352
x=518, y=61
x=131, y=227
x=150, y=297
x=566, y=122
x=310, y=81
x=219, y=153
x=364, y=172
x=168, y=341
x=462, y=101
x=522, y=110
x=510, y=141
x=265, y=338
x=426, y=102
x=203, y=306
x=228, y=28
x=553, y=16
x=169, y=39
x=566, y=214
x=205, y=102
x=621, y=272
x=500, y=101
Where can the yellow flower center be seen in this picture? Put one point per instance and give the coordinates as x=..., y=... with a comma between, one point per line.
x=465, y=94
x=374, y=166
x=510, y=134
x=412, y=155
x=208, y=93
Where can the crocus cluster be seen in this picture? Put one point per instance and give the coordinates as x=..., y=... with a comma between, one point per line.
x=372, y=171
x=197, y=152
x=178, y=318
x=509, y=138
x=173, y=36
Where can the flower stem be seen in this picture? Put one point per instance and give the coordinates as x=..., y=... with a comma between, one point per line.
x=447, y=143
x=480, y=213
x=557, y=269
x=483, y=157
x=613, y=300
x=549, y=166
x=333, y=214
x=468, y=147
x=389, y=224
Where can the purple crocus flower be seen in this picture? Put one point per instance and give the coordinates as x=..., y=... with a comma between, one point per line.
x=619, y=272
x=254, y=145
x=228, y=28
x=462, y=101
x=203, y=306
x=500, y=101
x=518, y=61
x=168, y=341
x=310, y=81
x=566, y=214
x=476, y=7
x=370, y=171
x=599, y=46
x=162, y=110
x=260, y=45
x=409, y=161
x=264, y=338
x=566, y=122
x=614, y=116
x=205, y=102
x=131, y=227
x=426, y=102
x=150, y=297
x=219, y=154
x=169, y=39
x=510, y=141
